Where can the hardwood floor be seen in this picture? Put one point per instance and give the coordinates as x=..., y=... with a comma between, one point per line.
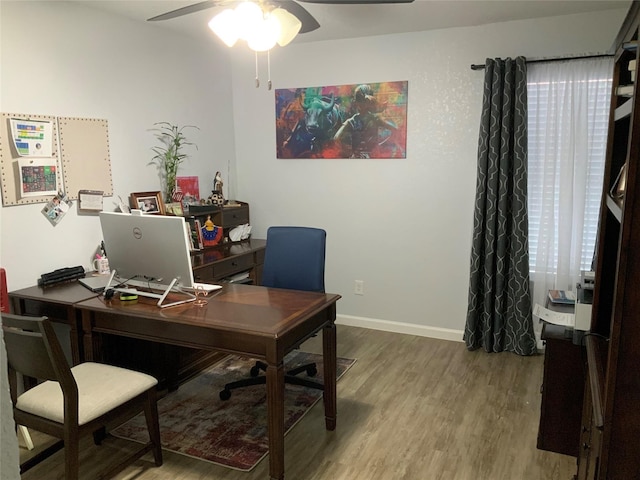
x=411, y=408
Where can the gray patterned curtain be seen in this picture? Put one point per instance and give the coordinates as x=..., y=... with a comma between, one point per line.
x=499, y=313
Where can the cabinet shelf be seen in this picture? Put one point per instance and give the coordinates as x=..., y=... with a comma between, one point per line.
x=624, y=110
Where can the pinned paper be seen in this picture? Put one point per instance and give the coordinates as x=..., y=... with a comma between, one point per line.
x=32, y=138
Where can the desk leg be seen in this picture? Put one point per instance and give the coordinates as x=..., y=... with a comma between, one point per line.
x=330, y=361
x=75, y=334
x=91, y=348
x=275, y=416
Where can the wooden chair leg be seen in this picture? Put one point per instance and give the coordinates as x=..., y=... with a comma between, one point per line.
x=99, y=435
x=71, y=453
x=151, y=416
x=26, y=436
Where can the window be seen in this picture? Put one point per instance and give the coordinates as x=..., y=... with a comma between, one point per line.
x=568, y=115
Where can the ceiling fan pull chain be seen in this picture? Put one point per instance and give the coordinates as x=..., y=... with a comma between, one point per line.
x=257, y=79
x=269, y=69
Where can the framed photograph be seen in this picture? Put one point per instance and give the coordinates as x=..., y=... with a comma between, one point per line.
x=174, y=208
x=148, y=202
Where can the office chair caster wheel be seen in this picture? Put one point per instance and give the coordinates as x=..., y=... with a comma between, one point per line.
x=225, y=394
x=255, y=371
x=312, y=371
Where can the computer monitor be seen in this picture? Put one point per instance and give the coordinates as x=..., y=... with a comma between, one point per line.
x=148, y=250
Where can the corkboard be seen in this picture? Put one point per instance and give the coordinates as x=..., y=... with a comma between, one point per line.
x=9, y=160
x=84, y=152
x=84, y=162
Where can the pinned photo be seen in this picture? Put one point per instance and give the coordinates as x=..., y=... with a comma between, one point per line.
x=56, y=208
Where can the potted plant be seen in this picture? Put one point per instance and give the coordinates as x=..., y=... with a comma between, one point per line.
x=169, y=155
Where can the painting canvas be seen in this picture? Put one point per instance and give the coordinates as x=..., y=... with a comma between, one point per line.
x=342, y=121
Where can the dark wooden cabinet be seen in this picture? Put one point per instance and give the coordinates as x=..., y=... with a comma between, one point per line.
x=215, y=264
x=227, y=217
x=562, y=392
x=610, y=431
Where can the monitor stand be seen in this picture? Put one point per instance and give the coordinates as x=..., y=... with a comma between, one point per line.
x=160, y=296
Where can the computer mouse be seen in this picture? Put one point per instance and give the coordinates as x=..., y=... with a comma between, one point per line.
x=109, y=293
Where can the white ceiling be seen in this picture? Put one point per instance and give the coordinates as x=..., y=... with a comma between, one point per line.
x=349, y=21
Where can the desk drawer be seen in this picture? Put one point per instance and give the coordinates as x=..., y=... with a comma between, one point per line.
x=224, y=268
x=233, y=216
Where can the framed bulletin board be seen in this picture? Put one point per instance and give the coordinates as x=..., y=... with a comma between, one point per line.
x=84, y=162
x=10, y=159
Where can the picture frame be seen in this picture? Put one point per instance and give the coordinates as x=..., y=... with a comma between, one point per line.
x=174, y=208
x=90, y=200
x=148, y=202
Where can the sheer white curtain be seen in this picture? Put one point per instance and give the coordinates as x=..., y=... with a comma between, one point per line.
x=568, y=116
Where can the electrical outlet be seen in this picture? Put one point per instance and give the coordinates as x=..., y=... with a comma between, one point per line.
x=358, y=287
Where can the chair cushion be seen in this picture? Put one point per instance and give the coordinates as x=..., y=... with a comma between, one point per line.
x=101, y=388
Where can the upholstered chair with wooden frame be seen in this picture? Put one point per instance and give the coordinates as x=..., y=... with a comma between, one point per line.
x=294, y=259
x=71, y=403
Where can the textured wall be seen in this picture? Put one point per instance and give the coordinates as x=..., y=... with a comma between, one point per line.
x=401, y=226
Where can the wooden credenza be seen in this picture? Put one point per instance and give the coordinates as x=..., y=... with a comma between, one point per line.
x=562, y=392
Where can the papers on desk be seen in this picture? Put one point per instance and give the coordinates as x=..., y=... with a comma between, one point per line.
x=206, y=287
x=556, y=318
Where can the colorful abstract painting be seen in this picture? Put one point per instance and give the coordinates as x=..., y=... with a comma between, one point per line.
x=342, y=121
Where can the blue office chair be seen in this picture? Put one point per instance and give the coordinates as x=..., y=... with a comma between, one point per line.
x=294, y=259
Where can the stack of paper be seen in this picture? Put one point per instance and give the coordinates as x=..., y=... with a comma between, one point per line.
x=546, y=315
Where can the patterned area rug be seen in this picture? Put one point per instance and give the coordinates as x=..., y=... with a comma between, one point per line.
x=195, y=422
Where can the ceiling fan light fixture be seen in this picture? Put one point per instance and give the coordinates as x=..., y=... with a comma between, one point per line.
x=289, y=26
x=265, y=35
x=249, y=16
x=225, y=26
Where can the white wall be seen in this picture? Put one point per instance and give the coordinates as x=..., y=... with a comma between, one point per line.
x=401, y=226
x=67, y=60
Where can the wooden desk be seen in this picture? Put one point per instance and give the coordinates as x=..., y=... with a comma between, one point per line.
x=56, y=302
x=259, y=322
x=170, y=364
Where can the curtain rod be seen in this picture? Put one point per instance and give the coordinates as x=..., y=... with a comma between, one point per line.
x=482, y=66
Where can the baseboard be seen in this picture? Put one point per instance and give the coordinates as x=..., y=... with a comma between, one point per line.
x=401, y=327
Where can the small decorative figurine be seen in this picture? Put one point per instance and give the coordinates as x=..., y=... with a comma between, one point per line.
x=211, y=234
x=217, y=197
x=217, y=183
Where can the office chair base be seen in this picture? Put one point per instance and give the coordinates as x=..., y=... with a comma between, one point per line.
x=289, y=377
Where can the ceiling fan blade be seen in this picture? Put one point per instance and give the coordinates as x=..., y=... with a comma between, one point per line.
x=354, y=2
x=196, y=7
x=309, y=23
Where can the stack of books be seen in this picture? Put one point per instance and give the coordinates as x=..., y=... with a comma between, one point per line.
x=563, y=297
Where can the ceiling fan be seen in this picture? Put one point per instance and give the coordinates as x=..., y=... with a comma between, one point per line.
x=308, y=22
